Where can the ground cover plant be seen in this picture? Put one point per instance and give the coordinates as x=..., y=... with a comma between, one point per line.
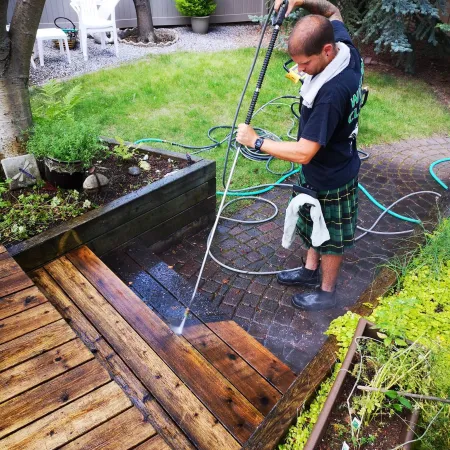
x=180, y=97
x=418, y=308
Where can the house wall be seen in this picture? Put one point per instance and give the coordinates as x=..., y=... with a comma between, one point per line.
x=163, y=11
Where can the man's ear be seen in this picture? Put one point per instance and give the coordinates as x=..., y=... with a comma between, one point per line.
x=328, y=49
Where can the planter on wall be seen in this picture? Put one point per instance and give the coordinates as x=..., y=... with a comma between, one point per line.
x=160, y=214
x=200, y=25
x=364, y=328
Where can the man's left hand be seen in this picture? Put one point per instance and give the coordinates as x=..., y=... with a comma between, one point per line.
x=246, y=135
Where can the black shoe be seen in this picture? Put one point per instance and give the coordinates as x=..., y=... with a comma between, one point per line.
x=315, y=301
x=300, y=277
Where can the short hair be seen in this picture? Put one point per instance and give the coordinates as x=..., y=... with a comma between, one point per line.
x=310, y=34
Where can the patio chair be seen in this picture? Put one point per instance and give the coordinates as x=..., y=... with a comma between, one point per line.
x=94, y=20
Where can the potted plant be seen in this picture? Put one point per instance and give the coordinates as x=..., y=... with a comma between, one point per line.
x=199, y=11
x=67, y=147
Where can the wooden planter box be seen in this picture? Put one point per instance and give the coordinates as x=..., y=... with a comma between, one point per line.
x=364, y=328
x=160, y=214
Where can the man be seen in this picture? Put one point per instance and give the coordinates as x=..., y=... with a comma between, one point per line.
x=332, y=97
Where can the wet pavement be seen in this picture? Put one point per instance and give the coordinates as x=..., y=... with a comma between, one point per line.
x=262, y=306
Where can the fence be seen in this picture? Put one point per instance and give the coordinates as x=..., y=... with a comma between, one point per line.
x=163, y=11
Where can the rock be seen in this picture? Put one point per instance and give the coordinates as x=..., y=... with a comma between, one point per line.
x=134, y=170
x=95, y=182
x=144, y=165
x=22, y=170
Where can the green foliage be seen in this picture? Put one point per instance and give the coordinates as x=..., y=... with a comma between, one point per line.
x=53, y=104
x=122, y=150
x=66, y=140
x=32, y=213
x=195, y=8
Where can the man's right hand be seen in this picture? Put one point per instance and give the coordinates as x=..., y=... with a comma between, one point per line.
x=292, y=5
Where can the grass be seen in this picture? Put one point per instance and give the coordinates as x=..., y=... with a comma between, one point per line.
x=180, y=96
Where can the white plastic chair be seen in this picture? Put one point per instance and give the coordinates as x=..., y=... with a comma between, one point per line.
x=94, y=20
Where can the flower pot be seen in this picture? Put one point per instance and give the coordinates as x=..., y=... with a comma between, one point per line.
x=364, y=329
x=64, y=174
x=200, y=25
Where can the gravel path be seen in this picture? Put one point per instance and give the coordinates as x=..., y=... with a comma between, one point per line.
x=226, y=37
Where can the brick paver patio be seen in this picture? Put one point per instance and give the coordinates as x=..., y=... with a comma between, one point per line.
x=259, y=303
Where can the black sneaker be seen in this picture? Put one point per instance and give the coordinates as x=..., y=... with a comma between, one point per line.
x=315, y=301
x=300, y=277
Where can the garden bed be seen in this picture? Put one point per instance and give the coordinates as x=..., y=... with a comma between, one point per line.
x=159, y=213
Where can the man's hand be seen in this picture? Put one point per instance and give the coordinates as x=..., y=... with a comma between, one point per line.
x=246, y=135
x=292, y=5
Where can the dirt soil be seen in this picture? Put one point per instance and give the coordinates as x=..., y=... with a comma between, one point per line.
x=163, y=36
x=387, y=433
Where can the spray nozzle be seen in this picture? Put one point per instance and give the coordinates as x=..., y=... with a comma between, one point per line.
x=278, y=18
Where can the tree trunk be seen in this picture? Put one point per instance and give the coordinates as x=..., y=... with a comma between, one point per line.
x=144, y=21
x=15, y=53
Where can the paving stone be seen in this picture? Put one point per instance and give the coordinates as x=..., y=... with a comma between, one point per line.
x=233, y=296
x=250, y=299
x=244, y=311
x=284, y=315
x=240, y=283
x=263, y=317
x=256, y=288
x=268, y=305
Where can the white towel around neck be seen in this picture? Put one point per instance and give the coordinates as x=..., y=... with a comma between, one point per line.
x=312, y=85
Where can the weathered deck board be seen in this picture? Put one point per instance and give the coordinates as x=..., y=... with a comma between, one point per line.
x=26, y=321
x=280, y=375
x=229, y=405
x=32, y=344
x=71, y=421
x=243, y=376
x=8, y=266
x=42, y=368
x=155, y=443
x=123, y=375
x=190, y=414
x=124, y=431
x=50, y=396
x=20, y=301
x=14, y=282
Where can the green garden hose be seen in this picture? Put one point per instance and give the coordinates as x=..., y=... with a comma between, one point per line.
x=439, y=161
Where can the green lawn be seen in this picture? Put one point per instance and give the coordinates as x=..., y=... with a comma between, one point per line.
x=178, y=97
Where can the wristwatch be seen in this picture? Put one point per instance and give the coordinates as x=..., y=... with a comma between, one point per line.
x=258, y=143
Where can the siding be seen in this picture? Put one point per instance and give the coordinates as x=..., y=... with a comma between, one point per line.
x=163, y=11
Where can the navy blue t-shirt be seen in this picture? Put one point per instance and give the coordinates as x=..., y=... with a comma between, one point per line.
x=333, y=122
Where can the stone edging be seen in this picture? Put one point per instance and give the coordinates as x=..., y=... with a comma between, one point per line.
x=151, y=44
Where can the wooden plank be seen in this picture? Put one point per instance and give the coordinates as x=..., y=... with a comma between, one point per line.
x=71, y=421
x=34, y=343
x=221, y=397
x=20, y=301
x=135, y=390
x=276, y=423
x=268, y=365
x=155, y=443
x=123, y=432
x=244, y=377
x=42, y=368
x=14, y=283
x=26, y=321
x=8, y=266
x=113, y=237
x=200, y=425
x=46, y=398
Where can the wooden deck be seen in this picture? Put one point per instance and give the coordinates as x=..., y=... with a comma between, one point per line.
x=85, y=363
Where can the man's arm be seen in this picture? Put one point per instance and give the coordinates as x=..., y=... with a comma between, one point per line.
x=321, y=7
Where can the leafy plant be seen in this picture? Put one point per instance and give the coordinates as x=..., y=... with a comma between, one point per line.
x=195, y=8
x=32, y=213
x=53, y=104
x=66, y=140
x=122, y=150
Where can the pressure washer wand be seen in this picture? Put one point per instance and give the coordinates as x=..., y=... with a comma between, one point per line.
x=277, y=22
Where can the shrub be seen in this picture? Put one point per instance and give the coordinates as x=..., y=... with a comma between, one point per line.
x=65, y=140
x=195, y=8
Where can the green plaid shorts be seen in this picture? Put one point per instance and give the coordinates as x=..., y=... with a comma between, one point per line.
x=340, y=211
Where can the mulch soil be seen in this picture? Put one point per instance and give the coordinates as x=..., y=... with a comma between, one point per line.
x=386, y=431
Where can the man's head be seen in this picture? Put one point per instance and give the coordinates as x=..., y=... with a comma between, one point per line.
x=311, y=44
